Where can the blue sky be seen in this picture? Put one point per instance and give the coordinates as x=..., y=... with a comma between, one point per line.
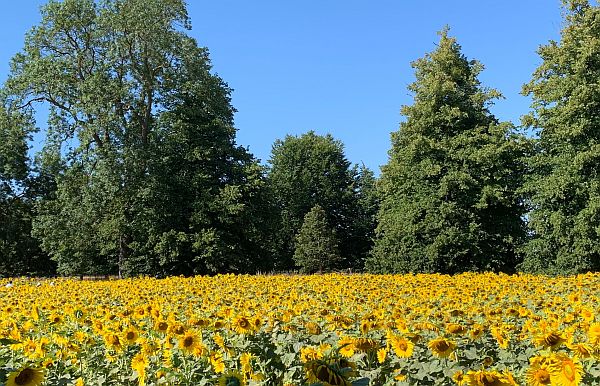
x=342, y=67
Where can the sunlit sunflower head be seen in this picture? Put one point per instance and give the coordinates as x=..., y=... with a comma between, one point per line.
x=131, y=335
x=581, y=350
x=594, y=335
x=161, y=326
x=401, y=346
x=232, y=378
x=538, y=375
x=242, y=325
x=27, y=376
x=441, y=347
x=188, y=342
x=567, y=371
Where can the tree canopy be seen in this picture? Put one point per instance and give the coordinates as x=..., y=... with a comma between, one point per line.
x=448, y=192
x=564, y=182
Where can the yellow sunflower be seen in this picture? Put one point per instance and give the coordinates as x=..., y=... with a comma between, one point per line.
x=551, y=340
x=489, y=378
x=566, y=371
x=441, y=347
x=27, y=376
x=188, y=342
x=242, y=325
x=538, y=374
x=401, y=346
x=459, y=378
x=594, y=335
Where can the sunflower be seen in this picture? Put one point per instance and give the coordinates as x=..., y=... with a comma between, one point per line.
x=242, y=325
x=538, y=375
x=27, y=376
x=139, y=363
x=489, y=378
x=365, y=344
x=566, y=371
x=401, y=346
x=456, y=329
x=161, y=326
x=232, y=378
x=459, y=378
x=381, y=355
x=326, y=374
x=594, y=335
x=188, y=342
x=551, y=340
x=476, y=331
x=131, y=335
x=442, y=347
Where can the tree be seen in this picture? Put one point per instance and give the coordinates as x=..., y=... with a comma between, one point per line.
x=140, y=142
x=311, y=170
x=448, y=192
x=20, y=253
x=564, y=185
x=316, y=244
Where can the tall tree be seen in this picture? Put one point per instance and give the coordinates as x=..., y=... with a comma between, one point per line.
x=316, y=247
x=565, y=179
x=140, y=139
x=20, y=253
x=448, y=192
x=311, y=170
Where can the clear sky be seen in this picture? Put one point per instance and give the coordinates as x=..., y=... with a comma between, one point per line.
x=342, y=66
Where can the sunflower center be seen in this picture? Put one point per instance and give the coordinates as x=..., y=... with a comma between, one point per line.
x=232, y=381
x=130, y=335
x=552, y=339
x=24, y=377
x=442, y=346
x=542, y=377
x=188, y=341
x=569, y=371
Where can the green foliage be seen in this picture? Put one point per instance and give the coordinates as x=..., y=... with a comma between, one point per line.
x=564, y=183
x=141, y=144
x=316, y=243
x=448, y=192
x=20, y=254
x=312, y=170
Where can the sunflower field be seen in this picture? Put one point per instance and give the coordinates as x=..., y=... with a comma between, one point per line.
x=328, y=330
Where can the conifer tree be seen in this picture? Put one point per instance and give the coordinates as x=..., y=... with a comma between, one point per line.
x=448, y=192
x=316, y=243
x=565, y=178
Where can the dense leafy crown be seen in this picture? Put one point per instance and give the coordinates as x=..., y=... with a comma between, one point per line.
x=448, y=191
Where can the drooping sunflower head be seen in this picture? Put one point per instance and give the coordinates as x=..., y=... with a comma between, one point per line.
x=327, y=374
x=232, y=378
x=27, y=376
x=551, y=340
x=489, y=378
x=442, y=347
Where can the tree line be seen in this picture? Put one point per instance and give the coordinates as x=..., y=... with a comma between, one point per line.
x=140, y=172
